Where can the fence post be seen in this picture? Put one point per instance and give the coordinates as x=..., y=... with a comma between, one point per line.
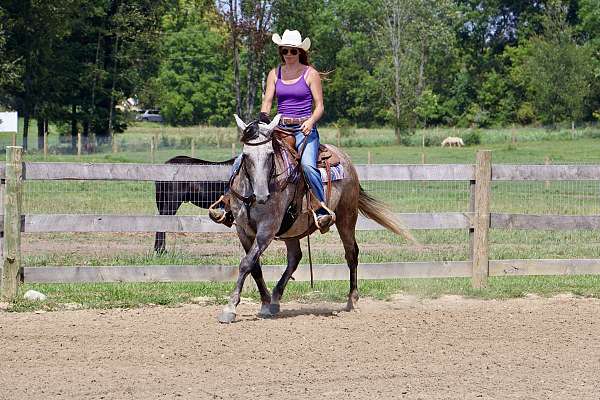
x=2, y=192
x=547, y=162
x=78, y=145
x=152, y=149
x=480, y=205
x=45, y=144
x=11, y=271
x=233, y=149
x=193, y=148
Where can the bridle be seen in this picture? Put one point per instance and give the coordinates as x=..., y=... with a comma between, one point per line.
x=249, y=200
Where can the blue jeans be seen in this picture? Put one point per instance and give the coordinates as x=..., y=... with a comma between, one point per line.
x=308, y=161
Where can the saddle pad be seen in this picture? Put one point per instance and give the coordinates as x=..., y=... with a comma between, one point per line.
x=337, y=173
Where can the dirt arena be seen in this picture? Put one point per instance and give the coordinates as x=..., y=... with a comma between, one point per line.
x=407, y=348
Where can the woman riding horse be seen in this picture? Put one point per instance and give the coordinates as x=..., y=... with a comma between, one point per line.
x=297, y=86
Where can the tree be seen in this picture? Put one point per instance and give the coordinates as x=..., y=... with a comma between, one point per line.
x=589, y=32
x=427, y=108
x=35, y=27
x=410, y=31
x=555, y=70
x=9, y=72
x=249, y=25
x=195, y=77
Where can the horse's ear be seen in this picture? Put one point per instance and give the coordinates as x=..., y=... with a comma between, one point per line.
x=241, y=124
x=275, y=122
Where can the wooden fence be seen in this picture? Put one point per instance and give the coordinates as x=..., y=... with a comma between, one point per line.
x=478, y=220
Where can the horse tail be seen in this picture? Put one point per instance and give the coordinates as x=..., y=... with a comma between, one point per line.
x=381, y=213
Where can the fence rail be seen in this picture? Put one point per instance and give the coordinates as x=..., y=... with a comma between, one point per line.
x=477, y=219
x=371, y=172
x=220, y=273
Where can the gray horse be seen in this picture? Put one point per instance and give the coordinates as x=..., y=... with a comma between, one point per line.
x=259, y=203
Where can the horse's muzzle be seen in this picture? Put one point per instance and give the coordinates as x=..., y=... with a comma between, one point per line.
x=262, y=199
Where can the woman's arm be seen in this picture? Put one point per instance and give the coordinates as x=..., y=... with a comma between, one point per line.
x=269, y=92
x=314, y=83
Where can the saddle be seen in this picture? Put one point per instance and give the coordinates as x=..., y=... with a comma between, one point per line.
x=285, y=142
x=326, y=158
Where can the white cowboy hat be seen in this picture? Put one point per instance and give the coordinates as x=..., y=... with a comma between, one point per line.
x=291, y=39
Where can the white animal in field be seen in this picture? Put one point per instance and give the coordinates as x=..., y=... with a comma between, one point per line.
x=452, y=141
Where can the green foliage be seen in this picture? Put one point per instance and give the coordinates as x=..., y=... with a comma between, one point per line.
x=428, y=107
x=475, y=117
x=554, y=71
x=195, y=78
x=345, y=128
x=526, y=113
x=472, y=138
x=401, y=63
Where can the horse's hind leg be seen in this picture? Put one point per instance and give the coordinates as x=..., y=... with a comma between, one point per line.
x=167, y=203
x=346, y=223
x=294, y=255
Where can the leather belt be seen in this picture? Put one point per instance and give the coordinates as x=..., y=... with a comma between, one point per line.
x=293, y=121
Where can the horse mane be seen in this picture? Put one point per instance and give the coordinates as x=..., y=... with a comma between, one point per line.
x=196, y=161
x=251, y=132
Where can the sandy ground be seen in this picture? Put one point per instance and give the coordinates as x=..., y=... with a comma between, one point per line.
x=408, y=348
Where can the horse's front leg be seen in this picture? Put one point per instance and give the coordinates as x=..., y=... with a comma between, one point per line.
x=256, y=271
x=248, y=263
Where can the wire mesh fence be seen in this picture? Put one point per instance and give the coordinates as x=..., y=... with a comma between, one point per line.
x=139, y=198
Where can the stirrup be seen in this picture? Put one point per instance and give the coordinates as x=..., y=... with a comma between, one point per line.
x=325, y=227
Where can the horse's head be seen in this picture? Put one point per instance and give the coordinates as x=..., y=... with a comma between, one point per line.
x=258, y=154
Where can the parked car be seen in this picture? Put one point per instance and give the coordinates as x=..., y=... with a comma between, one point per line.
x=150, y=115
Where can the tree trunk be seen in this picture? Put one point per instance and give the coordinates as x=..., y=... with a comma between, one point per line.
x=251, y=86
x=74, y=129
x=420, y=81
x=85, y=135
x=233, y=25
x=41, y=124
x=25, y=128
x=112, y=94
x=398, y=133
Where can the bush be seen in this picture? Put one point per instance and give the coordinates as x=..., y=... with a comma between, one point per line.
x=526, y=113
x=472, y=138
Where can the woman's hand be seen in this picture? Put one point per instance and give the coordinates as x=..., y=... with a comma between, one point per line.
x=307, y=126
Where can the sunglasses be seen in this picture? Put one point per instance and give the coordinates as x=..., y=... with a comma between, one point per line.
x=293, y=52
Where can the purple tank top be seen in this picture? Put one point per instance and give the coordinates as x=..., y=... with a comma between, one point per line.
x=295, y=99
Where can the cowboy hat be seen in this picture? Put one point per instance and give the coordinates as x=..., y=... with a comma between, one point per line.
x=291, y=39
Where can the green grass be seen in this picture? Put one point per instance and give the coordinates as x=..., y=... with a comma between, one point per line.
x=127, y=295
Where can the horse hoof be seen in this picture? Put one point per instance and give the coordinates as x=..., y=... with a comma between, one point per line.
x=274, y=308
x=226, y=317
x=352, y=306
x=265, y=311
